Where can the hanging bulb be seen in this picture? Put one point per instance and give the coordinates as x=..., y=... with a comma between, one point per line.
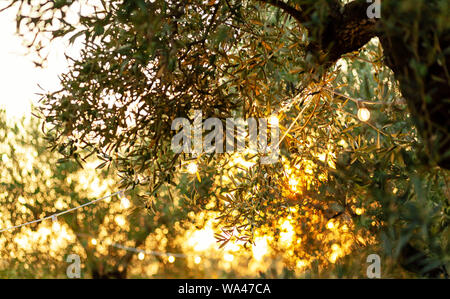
x=171, y=259
x=124, y=201
x=141, y=256
x=273, y=120
x=94, y=241
x=55, y=226
x=192, y=168
x=197, y=260
x=363, y=114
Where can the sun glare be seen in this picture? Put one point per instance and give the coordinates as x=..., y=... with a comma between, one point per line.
x=20, y=83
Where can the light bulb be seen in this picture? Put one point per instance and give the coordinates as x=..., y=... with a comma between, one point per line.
x=55, y=226
x=141, y=256
x=171, y=259
x=94, y=241
x=197, y=260
x=273, y=120
x=192, y=168
x=363, y=114
x=125, y=202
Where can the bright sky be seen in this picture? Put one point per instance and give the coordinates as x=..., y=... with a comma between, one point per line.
x=19, y=78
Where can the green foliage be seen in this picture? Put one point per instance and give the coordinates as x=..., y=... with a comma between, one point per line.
x=145, y=63
x=34, y=185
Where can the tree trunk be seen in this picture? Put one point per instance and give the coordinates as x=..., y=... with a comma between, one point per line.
x=417, y=58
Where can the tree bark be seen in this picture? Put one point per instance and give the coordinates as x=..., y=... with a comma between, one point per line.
x=410, y=44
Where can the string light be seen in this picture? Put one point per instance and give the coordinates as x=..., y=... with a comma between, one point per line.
x=156, y=253
x=142, y=253
x=273, y=120
x=124, y=201
x=54, y=216
x=363, y=114
x=192, y=168
x=55, y=226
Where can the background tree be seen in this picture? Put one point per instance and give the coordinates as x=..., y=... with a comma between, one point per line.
x=35, y=184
